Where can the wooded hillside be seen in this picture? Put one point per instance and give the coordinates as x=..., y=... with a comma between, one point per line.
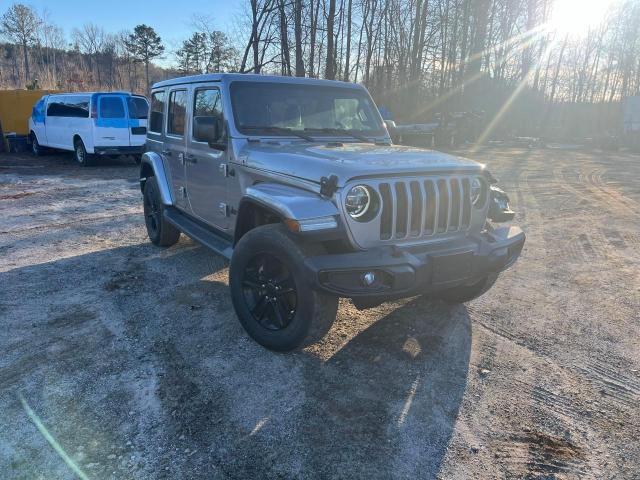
x=506, y=60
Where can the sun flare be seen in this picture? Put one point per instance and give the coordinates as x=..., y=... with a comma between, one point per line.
x=576, y=17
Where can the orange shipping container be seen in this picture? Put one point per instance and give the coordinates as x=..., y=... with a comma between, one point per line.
x=15, y=109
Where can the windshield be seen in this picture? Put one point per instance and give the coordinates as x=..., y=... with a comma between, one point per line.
x=281, y=108
x=138, y=107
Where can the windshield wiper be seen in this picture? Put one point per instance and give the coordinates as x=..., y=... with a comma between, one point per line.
x=282, y=130
x=341, y=131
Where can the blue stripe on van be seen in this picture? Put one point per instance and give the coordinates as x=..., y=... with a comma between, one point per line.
x=117, y=122
x=38, y=113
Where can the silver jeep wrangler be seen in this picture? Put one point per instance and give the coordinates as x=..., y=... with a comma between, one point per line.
x=297, y=183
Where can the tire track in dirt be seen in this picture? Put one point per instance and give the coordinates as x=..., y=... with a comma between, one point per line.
x=614, y=383
x=534, y=453
x=590, y=186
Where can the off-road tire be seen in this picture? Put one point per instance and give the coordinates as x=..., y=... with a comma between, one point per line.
x=80, y=154
x=466, y=293
x=315, y=311
x=160, y=231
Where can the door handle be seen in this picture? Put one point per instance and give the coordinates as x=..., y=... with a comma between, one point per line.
x=191, y=158
x=166, y=152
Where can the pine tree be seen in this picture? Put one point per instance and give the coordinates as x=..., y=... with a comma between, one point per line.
x=144, y=44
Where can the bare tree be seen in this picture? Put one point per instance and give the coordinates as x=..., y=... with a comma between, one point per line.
x=19, y=24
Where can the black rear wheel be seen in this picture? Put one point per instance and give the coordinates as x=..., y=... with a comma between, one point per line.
x=271, y=292
x=160, y=232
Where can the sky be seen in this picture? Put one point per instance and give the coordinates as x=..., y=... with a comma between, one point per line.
x=170, y=18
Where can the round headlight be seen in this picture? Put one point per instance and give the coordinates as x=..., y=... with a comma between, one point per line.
x=476, y=191
x=358, y=201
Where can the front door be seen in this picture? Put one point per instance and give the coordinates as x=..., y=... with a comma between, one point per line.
x=112, y=124
x=206, y=161
x=174, y=146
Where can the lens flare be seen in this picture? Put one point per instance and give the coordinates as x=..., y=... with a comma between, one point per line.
x=576, y=17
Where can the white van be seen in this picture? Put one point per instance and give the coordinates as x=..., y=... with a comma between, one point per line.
x=98, y=123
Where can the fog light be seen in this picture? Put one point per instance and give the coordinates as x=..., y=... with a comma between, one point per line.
x=368, y=279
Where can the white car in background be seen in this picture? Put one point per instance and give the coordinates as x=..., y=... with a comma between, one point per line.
x=88, y=124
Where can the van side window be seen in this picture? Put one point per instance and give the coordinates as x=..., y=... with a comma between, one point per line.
x=177, y=112
x=111, y=107
x=69, y=107
x=207, y=115
x=157, y=111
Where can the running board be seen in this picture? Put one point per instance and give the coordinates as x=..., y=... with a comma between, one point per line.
x=199, y=233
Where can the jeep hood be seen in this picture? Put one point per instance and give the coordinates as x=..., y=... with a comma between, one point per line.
x=349, y=160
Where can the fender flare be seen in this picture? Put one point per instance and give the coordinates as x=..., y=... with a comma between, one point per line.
x=290, y=202
x=151, y=166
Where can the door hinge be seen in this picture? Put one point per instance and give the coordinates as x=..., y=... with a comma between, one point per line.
x=223, y=209
x=183, y=192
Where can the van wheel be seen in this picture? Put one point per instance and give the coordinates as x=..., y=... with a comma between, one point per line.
x=466, y=293
x=80, y=153
x=271, y=294
x=161, y=232
x=36, y=149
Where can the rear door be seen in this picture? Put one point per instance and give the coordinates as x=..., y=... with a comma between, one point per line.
x=112, y=125
x=206, y=165
x=174, y=147
x=138, y=110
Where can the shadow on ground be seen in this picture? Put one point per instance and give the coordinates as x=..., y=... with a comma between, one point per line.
x=135, y=363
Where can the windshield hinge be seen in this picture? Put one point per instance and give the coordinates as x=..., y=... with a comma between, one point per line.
x=328, y=186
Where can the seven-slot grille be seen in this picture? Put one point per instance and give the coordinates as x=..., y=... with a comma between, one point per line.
x=414, y=208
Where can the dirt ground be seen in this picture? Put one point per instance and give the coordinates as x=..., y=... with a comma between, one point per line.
x=123, y=360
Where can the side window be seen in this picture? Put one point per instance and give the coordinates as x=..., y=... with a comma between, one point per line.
x=69, y=107
x=158, y=100
x=207, y=116
x=53, y=109
x=177, y=112
x=111, y=107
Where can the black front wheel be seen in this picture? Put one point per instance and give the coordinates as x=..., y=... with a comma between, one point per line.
x=271, y=294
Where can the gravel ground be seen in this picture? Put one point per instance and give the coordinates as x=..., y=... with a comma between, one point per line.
x=122, y=360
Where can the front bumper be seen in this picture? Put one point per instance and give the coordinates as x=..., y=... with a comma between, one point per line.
x=405, y=272
x=128, y=150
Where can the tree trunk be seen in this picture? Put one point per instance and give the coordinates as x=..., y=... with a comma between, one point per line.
x=329, y=71
x=298, y=34
x=284, y=41
x=348, y=49
x=146, y=72
x=25, y=51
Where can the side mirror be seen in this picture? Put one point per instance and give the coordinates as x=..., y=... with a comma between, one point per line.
x=209, y=130
x=218, y=145
x=392, y=129
x=391, y=125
